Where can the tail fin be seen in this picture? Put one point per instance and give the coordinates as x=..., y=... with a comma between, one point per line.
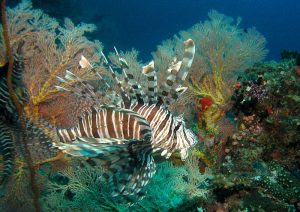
x=128, y=163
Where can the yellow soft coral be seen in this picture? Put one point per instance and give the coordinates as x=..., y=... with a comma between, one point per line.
x=223, y=49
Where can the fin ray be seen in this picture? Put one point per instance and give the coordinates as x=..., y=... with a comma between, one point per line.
x=178, y=72
x=129, y=165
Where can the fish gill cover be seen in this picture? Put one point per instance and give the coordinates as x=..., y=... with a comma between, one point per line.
x=205, y=126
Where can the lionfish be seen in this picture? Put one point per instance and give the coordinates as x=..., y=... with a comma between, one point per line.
x=11, y=131
x=126, y=135
x=8, y=118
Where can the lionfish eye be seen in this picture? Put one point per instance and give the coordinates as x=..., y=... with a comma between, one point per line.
x=177, y=126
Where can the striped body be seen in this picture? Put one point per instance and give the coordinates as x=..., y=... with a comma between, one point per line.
x=168, y=131
x=124, y=136
x=103, y=123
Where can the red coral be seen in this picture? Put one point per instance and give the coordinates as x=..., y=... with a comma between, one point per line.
x=270, y=110
x=237, y=85
x=205, y=103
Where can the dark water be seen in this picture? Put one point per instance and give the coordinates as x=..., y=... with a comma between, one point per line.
x=144, y=24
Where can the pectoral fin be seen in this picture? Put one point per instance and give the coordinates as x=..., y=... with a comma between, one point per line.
x=128, y=163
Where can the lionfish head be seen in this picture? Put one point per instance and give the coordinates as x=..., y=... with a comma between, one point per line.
x=183, y=137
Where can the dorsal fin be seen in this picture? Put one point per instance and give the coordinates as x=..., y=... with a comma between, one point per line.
x=113, y=96
x=188, y=57
x=178, y=72
x=74, y=84
x=135, y=90
x=124, y=95
x=173, y=71
x=84, y=63
x=149, y=71
x=139, y=94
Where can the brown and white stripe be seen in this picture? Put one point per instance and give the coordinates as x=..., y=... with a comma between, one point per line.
x=125, y=136
x=178, y=72
x=108, y=122
x=151, y=122
x=149, y=71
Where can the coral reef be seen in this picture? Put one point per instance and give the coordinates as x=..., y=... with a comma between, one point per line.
x=248, y=126
x=289, y=55
x=181, y=184
x=26, y=32
x=224, y=48
x=277, y=110
x=17, y=194
x=78, y=187
x=48, y=49
x=261, y=158
x=82, y=187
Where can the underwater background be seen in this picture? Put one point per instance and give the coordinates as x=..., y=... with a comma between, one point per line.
x=223, y=88
x=144, y=24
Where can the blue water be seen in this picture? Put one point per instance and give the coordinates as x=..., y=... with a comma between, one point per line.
x=144, y=24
